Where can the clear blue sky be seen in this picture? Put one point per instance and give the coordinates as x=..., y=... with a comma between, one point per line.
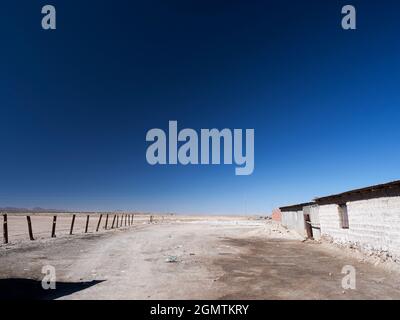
x=76, y=103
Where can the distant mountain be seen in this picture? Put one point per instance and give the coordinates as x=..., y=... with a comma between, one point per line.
x=33, y=210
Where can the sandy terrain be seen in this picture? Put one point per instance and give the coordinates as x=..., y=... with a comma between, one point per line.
x=189, y=258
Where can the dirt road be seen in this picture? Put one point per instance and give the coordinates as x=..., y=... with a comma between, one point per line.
x=205, y=259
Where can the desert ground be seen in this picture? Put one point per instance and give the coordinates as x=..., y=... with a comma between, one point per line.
x=182, y=258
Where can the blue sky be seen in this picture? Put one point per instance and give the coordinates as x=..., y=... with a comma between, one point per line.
x=76, y=103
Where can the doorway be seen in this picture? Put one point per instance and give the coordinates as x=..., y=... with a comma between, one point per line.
x=307, y=222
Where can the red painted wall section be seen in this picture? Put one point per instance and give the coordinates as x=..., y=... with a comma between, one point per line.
x=276, y=215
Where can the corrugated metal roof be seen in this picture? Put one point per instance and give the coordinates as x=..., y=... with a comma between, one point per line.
x=389, y=189
x=379, y=190
x=296, y=207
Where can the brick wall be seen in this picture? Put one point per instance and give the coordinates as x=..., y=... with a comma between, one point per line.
x=276, y=215
x=294, y=220
x=373, y=224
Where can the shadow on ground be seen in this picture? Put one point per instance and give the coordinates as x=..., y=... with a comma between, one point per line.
x=27, y=289
x=273, y=269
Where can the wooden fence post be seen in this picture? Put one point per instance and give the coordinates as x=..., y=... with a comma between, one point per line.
x=87, y=224
x=105, y=227
x=53, y=229
x=112, y=226
x=117, y=221
x=125, y=220
x=72, y=224
x=5, y=228
x=98, y=223
x=28, y=218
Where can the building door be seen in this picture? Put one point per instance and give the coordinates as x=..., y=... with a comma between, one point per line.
x=308, y=226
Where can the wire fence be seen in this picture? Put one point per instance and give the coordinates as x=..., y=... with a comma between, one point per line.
x=22, y=226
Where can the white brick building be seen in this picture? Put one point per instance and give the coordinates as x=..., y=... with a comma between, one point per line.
x=367, y=218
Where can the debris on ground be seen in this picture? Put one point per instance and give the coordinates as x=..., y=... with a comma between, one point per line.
x=171, y=259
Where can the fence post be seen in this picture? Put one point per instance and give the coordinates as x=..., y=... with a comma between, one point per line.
x=87, y=224
x=105, y=227
x=53, y=229
x=112, y=226
x=72, y=224
x=125, y=220
x=151, y=218
x=5, y=228
x=28, y=218
x=117, y=221
x=98, y=223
